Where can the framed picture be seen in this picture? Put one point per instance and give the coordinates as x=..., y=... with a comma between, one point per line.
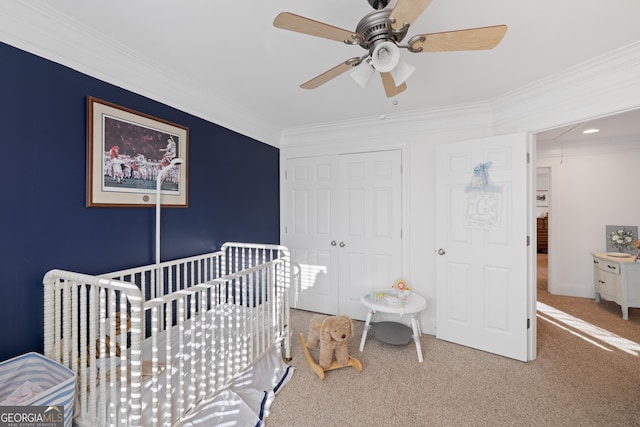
x=542, y=198
x=619, y=238
x=130, y=155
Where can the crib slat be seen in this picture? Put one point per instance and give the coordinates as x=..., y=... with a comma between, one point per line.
x=154, y=363
x=169, y=358
x=124, y=362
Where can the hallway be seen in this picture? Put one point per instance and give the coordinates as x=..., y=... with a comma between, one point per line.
x=542, y=274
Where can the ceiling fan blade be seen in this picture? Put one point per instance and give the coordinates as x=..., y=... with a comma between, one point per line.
x=300, y=24
x=483, y=38
x=407, y=11
x=390, y=88
x=331, y=74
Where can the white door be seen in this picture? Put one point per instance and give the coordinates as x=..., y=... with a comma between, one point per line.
x=311, y=229
x=481, y=233
x=343, y=228
x=370, y=245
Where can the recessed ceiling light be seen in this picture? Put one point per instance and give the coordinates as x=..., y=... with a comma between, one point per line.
x=591, y=130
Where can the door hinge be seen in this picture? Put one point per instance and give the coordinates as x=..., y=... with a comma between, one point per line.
x=528, y=158
x=528, y=240
x=528, y=323
x=285, y=174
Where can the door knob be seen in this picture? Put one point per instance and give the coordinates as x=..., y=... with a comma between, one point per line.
x=333, y=243
x=441, y=251
x=342, y=245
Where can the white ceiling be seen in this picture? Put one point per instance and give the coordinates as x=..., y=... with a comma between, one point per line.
x=218, y=59
x=617, y=132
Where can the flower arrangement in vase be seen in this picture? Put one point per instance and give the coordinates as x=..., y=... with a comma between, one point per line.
x=621, y=239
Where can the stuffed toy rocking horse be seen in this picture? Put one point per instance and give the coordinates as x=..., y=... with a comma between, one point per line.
x=332, y=334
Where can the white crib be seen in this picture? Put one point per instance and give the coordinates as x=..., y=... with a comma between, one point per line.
x=155, y=345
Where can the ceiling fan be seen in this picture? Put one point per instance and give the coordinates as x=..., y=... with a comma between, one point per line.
x=380, y=33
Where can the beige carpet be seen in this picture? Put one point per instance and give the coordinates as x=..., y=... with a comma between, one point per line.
x=543, y=271
x=573, y=382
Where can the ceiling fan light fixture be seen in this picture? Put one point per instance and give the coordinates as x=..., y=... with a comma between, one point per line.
x=363, y=74
x=402, y=72
x=385, y=56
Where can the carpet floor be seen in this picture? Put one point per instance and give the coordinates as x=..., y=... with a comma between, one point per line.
x=587, y=373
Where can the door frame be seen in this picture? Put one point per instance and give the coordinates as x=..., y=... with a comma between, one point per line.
x=532, y=271
x=533, y=165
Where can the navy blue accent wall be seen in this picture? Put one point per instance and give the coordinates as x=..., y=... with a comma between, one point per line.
x=45, y=224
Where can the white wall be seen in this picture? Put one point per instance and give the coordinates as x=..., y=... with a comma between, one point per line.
x=603, y=86
x=589, y=190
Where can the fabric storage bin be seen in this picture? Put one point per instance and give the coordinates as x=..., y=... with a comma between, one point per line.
x=58, y=383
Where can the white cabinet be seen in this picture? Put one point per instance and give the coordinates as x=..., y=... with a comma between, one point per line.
x=617, y=279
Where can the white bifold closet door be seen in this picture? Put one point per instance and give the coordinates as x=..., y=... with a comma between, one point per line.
x=343, y=228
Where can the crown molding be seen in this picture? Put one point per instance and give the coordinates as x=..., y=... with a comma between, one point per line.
x=600, y=86
x=405, y=126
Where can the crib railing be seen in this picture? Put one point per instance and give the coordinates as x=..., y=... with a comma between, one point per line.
x=81, y=313
x=220, y=328
x=156, y=280
x=238, y=256
x=190, y=325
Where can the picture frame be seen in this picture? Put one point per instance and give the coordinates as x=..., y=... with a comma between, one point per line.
x=632, y=230
x=126, y=150
x=542, y=198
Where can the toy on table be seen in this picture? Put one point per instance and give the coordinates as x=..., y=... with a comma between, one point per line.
x=403, y=291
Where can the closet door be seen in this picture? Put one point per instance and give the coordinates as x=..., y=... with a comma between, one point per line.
x=370, y=241
x=311, y=232
x=343, y=228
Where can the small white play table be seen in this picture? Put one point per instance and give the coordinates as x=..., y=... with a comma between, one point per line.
x=413, y=305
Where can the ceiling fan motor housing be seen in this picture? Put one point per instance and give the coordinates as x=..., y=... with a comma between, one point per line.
x=375, y=28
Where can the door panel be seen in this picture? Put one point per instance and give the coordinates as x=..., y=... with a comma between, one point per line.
x=370, y=224
x=481, y=277
x=312, y=203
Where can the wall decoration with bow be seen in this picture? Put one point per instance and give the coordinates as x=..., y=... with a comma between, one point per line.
x=484, y=200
